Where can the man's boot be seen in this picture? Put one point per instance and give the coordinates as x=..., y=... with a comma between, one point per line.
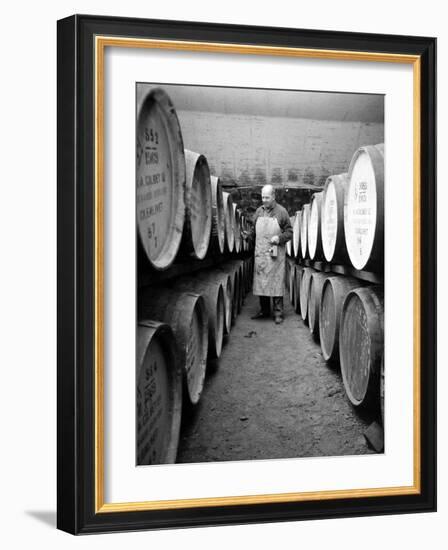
x=265, y=306
x=278, y=309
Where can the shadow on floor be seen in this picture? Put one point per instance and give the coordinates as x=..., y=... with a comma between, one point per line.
x=48, y=517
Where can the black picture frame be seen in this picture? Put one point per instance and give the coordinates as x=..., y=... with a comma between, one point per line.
x=76, y=474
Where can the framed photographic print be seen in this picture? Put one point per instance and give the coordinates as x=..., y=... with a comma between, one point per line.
x=246, y=274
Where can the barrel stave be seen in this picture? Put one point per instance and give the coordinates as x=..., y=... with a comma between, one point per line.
x=158, y=394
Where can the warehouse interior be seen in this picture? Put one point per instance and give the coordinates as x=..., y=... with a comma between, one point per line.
x=269, y=393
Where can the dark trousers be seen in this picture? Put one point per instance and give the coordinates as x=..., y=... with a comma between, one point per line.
x=277, y=305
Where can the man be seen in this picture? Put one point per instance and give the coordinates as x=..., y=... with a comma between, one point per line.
x=272, y=230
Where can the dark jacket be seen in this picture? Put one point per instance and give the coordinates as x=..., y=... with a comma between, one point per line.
x=276, y=211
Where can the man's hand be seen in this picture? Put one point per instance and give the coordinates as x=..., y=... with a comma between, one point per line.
x=275, y=239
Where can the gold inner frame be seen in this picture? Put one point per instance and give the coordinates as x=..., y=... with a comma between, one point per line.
x=101, y=42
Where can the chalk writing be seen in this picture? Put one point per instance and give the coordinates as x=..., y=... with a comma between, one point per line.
x=155, y=180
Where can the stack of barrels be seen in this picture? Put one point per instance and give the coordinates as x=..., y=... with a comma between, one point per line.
x=344, y=223
x=182, y=211
x=183, y=214
x=336, y=271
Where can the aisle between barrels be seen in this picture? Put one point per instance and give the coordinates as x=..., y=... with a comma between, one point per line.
x=271, y=395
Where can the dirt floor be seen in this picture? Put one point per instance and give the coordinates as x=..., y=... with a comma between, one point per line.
x=271, y=395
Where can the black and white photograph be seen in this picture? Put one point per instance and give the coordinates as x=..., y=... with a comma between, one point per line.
x=260, y=274
x=246, y=275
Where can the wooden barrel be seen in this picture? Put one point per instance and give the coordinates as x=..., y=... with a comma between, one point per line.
x=296, y=235
x=229, y=221
x=218, y=220
x=242, y=283
x=361, y=343
x=198, y=207
x=250, y=263
x=248, y=280
x=213, y=294
x=243, y=227
x=234, y=266
x=245, y=276
x=226, y=281
x=292, y=282
x=364, y=210
x=250, y=242
x=304, y=230
x=334, y=291
x=237, y=267
x=305, y=291
x=237, y=229
x=160, y=179
x=314, y=228
x=186, y=313
x=158, y=394
x=332, y=219
x=236, y=294
x=248, y=228
x=292, y=221
x=315, y=295
x=245, y=241
x=229, y=268
x=244, y=265
x=298, y=281
x=296, y=293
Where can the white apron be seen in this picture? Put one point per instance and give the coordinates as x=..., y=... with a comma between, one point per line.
x=269, y=273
